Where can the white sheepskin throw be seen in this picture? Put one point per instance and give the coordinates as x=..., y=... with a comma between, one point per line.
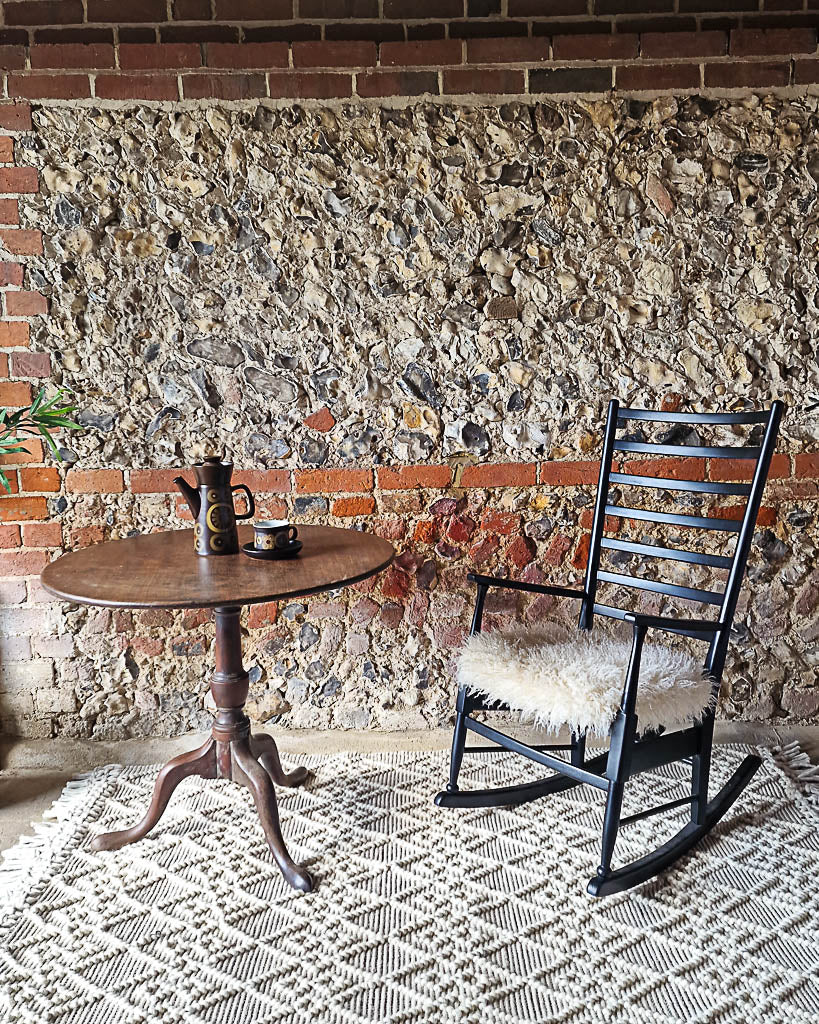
x=579, y=682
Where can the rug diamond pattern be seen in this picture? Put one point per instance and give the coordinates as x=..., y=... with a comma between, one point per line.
x=421, y=916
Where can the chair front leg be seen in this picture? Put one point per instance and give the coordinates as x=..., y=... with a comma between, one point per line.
x=463, y=707
x=578, y=751
x=458, y=742
x=621, y=745
x=701, y=768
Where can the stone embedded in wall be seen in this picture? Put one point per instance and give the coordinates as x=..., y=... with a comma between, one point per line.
x=321, y=287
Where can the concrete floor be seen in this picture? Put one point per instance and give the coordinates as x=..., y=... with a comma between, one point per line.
x=33, y=772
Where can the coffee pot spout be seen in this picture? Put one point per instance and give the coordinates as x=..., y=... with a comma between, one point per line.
x=190, y=494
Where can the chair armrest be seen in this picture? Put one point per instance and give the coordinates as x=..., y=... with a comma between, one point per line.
x=534, y=588
x=666, y=622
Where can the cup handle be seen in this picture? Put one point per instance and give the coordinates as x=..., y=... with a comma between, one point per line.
x=251, y=504
x=292, y=534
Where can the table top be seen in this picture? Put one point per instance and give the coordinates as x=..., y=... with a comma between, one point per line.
x=161, y=570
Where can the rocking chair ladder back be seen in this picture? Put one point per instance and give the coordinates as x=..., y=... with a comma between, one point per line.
x=630, y=753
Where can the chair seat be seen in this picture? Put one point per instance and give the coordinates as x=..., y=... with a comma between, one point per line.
x=579, y=682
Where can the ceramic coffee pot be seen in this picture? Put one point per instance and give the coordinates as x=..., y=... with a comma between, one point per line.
x=211, y=502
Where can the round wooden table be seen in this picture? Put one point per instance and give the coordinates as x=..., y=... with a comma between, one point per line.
x=161, y=570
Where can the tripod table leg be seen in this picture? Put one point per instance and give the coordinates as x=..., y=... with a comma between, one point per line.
x=248, y=771
x=195, y=762
x=267, y=754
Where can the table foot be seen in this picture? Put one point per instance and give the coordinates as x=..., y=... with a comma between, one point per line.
x=195, y=762
x=267, y=754
x=251, y=773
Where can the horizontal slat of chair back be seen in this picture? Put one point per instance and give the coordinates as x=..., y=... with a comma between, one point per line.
x=675, y=518
x=704, y=418
x=656, y=550
x=659, y=587
x=693, y=486
x=696, y=451
x=609, y=612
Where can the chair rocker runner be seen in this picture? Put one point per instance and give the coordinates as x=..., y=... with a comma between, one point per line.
x=581, y=683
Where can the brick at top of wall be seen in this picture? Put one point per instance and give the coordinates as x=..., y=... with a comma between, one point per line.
x=333, y=54
x=757, y=42
x=424, y=52
x=159, y=56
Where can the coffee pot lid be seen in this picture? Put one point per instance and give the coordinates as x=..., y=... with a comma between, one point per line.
x=214, y=459
x=212, y=469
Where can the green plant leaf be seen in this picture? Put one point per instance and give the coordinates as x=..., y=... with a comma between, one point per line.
x=50, y=443
x=54, y=400
x=65, y=424
x=38, y=401
x=43, y=416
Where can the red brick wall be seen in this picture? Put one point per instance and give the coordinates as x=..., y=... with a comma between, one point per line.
x=239, y=49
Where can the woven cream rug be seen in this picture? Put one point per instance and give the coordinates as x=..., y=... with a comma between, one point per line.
x=421, y=915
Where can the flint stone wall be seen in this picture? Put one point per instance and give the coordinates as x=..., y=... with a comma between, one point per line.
x=434, y=285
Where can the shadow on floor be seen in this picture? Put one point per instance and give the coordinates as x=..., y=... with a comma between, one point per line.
x=23, y=798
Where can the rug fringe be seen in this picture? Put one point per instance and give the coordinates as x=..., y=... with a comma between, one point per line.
x=22, y=865
x=801, y=771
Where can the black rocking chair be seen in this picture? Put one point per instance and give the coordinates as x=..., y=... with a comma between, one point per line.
x=630, y=753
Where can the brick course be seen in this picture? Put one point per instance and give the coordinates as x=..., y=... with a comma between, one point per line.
x=10, y=274
x=317, y=481
x=248, y=55
x=30, y=364
x=72, y=55
x=18, y=510
x=22, y=242
x=25, y=303
x=407, y=477
x=138, y=56
x=347, y=507
x=42, y=535
x=567, y=47
x=14, y=394
x=40, y=478
x=9, y=211
x=94, y=481
x=18, y=179
x=509, y=474
x=14, y=334
x=138, y=87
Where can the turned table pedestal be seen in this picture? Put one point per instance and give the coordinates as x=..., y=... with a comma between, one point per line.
x=161, y=570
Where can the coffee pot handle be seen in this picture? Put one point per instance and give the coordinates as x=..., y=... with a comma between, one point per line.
x=251, y=504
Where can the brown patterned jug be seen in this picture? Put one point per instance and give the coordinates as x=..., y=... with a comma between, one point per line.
x=211, y=502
